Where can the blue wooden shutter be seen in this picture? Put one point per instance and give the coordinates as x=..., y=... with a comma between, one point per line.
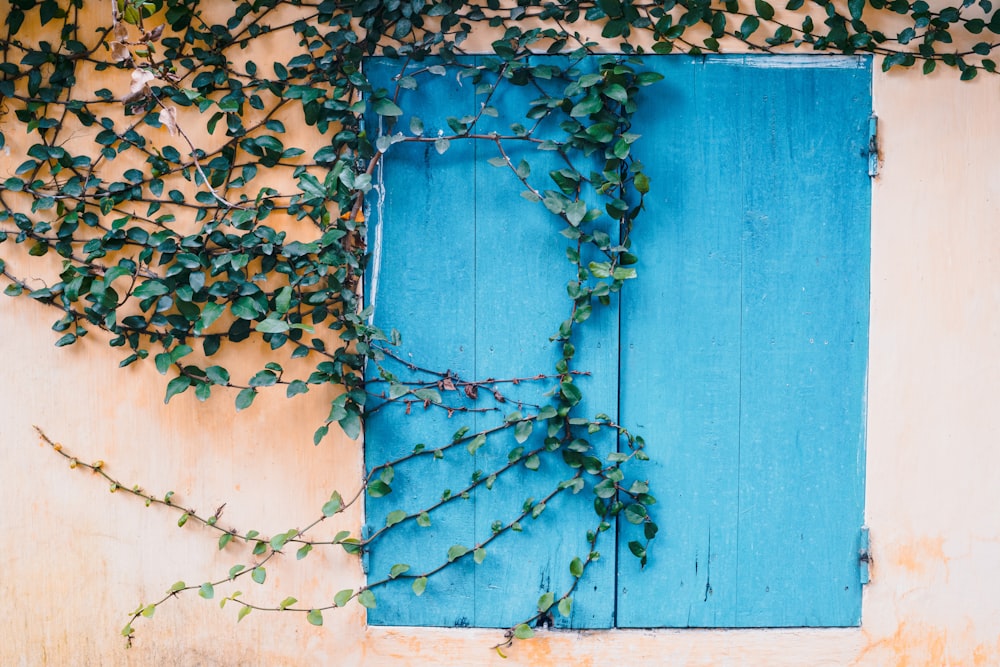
x=473, y=277
x=745, y=342
x=743, y=352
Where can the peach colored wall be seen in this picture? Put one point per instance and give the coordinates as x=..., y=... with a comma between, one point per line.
x=77, y=559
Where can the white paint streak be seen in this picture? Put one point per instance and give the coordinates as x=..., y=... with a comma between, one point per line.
x=817, y=61
x=375, y=228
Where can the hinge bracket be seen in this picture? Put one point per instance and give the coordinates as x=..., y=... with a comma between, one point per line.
x=864, y=556
x=873, y=145
x=365, y=533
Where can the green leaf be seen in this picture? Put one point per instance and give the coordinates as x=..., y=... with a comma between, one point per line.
x=366, y=599
x=428, y=394
x=546, y=601
x=635, y=513
x=162, y=362
x=566, y=607
x=333, y=505
x=570, y=392
x=296, y=387
x=605, y=488
x=523, y=631
x=351, y=424
x=532, y=462
x=615, y=92
x=224, y=539
x=207, y=591
x=575, y=212
x=245, y=398
x=386, y=107
x=479, y=555
x=176, y=386
x=641, y=181
x=749, y=26
x=178, y=586
x=419, y=586
x=272, y=325
x=287, y=602
x=456, y=551
x=423, y=520
x=343, y=597
x=68, y=339
x=398, y=569
x=315, y=617
x=148, y=611
x=236, y=569
x=523, y=430
x=264, y=378
x=150, y=288
x=576, y=568
x=209, y=314
x=217, y=374
x=476, y=443
x=588, y=105
x=377, y=488
x=303, y=551
x=244, y=612
x=647, y=78
x=279, y=540
x=764, y=9
x=259, y=574
x=394, y=517
x=637, y=549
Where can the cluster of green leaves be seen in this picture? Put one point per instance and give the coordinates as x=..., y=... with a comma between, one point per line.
x=180, y=248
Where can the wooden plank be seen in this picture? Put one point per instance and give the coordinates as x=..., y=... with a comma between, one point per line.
x=497, y=295
x=425, y=290
x=521, y=277
x=805, y=327
x=789, y=168
x=680, y=354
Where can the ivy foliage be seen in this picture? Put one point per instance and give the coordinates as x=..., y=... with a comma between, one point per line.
x=213, y=194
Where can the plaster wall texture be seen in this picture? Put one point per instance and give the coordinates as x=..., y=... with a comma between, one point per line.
x=78, y=559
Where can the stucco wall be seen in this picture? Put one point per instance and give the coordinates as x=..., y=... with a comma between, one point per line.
x=78, y=559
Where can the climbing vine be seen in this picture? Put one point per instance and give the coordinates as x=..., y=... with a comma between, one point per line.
x=183, y=221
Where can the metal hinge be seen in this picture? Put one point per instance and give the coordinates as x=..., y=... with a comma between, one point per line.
x=864, y=556
x=365, y=533
x=873, y=145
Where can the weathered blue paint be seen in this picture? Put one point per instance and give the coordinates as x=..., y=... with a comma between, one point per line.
x=745, y=344
x=471, y=279
x=742, y=356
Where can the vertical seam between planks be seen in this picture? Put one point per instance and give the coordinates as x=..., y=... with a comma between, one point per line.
x=475, y=343
x=618, y=443
x=739, y=343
